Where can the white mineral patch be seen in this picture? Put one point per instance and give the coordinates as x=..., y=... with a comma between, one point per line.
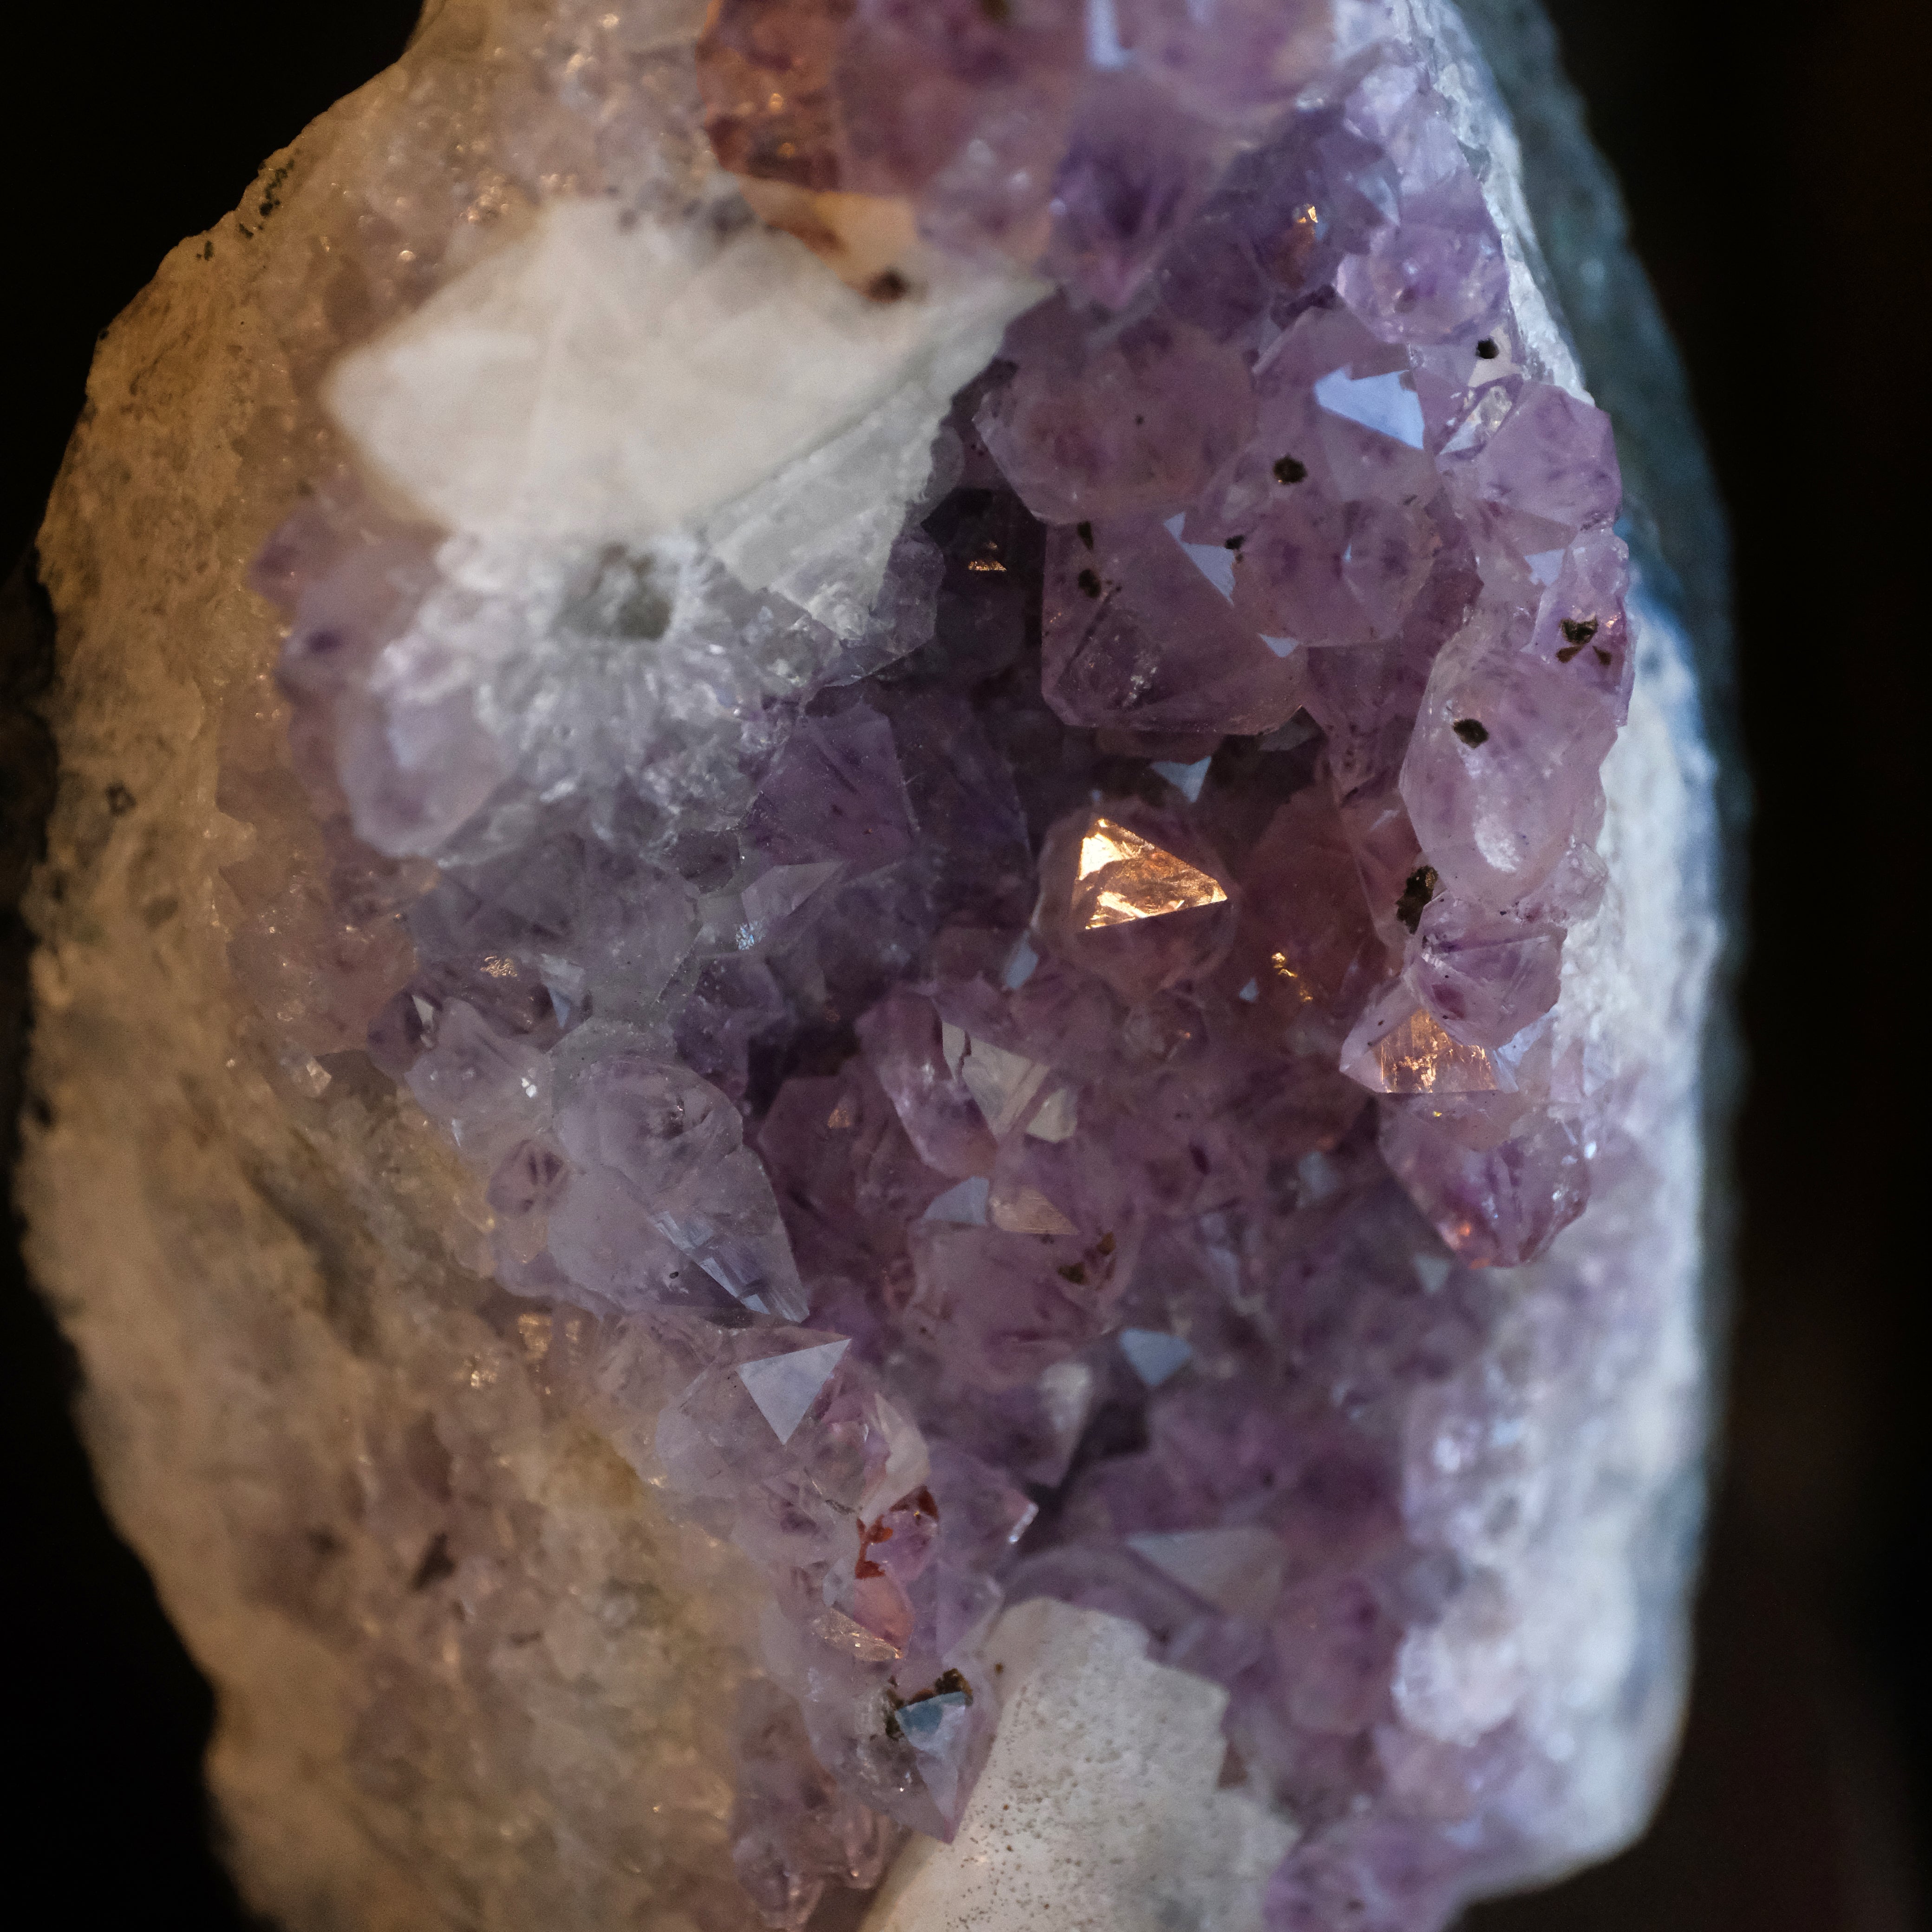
x=608, y=377
x=1099, y=1809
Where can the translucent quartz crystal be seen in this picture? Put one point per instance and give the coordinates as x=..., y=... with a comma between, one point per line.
x=955, y=715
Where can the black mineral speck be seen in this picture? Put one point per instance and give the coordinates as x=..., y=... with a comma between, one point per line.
x=889, y=286
x=437, y=1563
x=1471, y=731
x=1287, y=470
x=1234, y=543
x=1417, y=889
x=1579, y=630
x=1487, y=349
x=1089, y=582
x=120, y=799
x=1085, y=533
x=952, y=1682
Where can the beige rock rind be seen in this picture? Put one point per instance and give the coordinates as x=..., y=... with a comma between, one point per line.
x=467, y=1671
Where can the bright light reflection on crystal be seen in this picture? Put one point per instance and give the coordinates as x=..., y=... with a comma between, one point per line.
x=1383, y=404
x=1058, y=1118
x=1154, y=1356
x=1002, y=1084
x=1417, y=1056
x=1186, y=779
x=1019, y=967
x=784, y=1387
x=1030, y=1212
x=1124, y=877
x=963, y=1205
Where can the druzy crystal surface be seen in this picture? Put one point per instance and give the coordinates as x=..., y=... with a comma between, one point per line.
x=949, y=715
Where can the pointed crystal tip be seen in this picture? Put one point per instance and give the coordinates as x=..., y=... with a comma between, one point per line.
x=785, y=1386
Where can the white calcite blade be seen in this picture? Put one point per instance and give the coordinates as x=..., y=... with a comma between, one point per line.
x=1100, y=1807
x=610, y=379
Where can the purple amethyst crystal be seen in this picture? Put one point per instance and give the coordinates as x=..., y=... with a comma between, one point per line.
x=1063, y=1100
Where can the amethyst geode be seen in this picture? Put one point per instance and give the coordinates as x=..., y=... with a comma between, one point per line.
x=1059, y=1044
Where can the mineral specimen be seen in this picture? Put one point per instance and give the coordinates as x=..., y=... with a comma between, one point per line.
x=950, y=703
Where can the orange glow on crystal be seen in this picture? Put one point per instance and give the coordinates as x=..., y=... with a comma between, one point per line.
x=1418, y=1057
x=1124, y=877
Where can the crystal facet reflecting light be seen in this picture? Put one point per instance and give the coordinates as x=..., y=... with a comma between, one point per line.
x=1124, y=877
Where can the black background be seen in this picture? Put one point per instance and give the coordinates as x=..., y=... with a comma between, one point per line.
x=1774, y=167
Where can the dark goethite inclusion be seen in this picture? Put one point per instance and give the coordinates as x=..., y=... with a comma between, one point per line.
x=1068, y=1096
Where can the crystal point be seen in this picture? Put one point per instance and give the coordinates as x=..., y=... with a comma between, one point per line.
x=784, y=1387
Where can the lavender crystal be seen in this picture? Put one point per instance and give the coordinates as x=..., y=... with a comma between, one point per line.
x=1060, y=1069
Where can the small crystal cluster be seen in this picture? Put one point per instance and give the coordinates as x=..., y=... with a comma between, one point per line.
x=1058, y=1069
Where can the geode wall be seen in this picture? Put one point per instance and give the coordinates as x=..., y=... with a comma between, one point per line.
x=862, y=816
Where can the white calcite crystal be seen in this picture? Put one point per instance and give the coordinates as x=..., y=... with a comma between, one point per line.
x=871, y=984
x=607, y=379
x=1099, y=1806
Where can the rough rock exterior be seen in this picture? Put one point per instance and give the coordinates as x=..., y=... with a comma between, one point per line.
x=714, y=963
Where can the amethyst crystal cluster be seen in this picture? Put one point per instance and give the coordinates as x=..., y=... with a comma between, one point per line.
x=1063, y=1070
